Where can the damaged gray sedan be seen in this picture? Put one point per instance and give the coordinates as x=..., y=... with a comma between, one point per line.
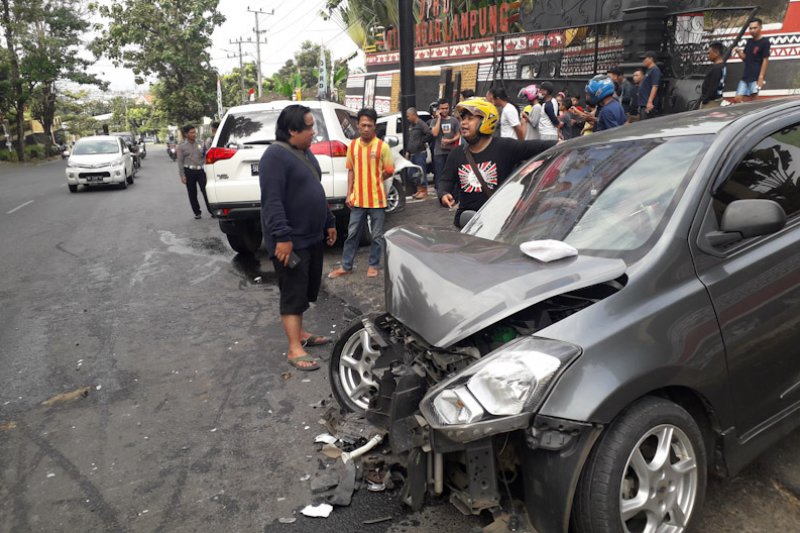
x=599, y=388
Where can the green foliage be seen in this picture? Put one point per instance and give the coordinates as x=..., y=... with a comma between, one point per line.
x=231, y=86
x=34, y=151
x=6, y=155
x=169, y=40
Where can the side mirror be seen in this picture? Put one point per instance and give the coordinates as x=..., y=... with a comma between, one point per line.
x=465, y=217
x=743, y=219
x=392, y=141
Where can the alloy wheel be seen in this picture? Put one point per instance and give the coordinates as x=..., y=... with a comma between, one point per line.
x=355, y=368
x=660, y=482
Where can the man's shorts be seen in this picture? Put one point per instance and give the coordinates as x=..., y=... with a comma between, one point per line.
x=747, y=88
x=300, y=285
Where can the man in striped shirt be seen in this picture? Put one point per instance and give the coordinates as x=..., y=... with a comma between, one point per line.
x=369, y=162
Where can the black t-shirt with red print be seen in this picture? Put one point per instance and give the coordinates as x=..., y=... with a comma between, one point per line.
x=496, y=162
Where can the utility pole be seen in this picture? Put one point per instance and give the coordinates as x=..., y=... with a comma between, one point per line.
x=258, y=33
x=239, y=42
x=408, y=95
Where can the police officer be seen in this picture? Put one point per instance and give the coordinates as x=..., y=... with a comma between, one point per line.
x=190, y=167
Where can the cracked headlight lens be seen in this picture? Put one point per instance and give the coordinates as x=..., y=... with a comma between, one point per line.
x=512, y=380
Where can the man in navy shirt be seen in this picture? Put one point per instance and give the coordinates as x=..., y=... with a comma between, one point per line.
x=756, y=57
x=649, y=104
x=296, y=221
x=600, y=91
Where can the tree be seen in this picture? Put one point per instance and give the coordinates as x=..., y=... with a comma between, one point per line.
x=50, y=48
x=168, y=39
x=19, y=97
x=232, y=86
x=42, y=38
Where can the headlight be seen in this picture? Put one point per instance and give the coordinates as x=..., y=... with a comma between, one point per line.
x=117, y=162
x=512, y=381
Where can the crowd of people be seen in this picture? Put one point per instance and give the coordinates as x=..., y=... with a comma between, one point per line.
x=473, y=154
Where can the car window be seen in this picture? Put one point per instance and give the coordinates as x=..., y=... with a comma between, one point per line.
x=380, y=130
x=348, y=123
x=258, y=127
x=613, y=199
x=769, y=171
x=94, y=147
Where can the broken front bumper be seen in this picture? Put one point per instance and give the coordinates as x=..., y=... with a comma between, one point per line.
x=547, y=454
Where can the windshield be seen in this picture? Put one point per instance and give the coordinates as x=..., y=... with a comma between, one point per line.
x=610, y=198
x=106, y=146
x=258, y=127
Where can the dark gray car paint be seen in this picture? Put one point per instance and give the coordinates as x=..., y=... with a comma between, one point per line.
x=445, y=286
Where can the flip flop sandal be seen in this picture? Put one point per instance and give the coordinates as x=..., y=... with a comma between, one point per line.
x=304, y=359
x=316, y=340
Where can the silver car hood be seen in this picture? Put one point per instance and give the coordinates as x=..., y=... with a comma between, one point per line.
x=446, y=285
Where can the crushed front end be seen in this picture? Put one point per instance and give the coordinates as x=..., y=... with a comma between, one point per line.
x=463, y=419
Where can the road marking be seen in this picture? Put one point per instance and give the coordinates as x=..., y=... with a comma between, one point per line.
x=29, y=202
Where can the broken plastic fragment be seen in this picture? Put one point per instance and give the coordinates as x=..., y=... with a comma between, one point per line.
x=330, y=450
x=306, y=477
x=325, y=438
x=287, y=520
x=374, y=441
x=322, y=510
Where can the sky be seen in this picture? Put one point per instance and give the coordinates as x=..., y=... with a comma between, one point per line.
x=292, y=23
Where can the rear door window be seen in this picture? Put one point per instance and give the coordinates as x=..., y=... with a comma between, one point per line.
x=348, y=123
x=769, y=171
x=258, y=127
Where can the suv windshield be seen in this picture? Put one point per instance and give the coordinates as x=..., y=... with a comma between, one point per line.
x=610, y=198
x=258, y=127
x=95, y=147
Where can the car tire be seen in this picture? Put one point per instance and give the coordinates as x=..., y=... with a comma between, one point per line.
x=72, y=188
x=350, y=368
x=124, y=184
x=246, y=243
x=395, y=198
x=655, y=452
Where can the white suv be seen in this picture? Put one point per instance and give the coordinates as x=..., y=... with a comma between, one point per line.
x=232, y=161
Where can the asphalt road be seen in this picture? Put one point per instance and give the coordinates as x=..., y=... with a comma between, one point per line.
x=143, y=385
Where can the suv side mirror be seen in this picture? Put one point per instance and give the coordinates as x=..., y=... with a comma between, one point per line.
x=392, y=140
x=743, y=219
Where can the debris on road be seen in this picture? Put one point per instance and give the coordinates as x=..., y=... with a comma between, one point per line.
x=7, y=426
x=287, y=520
x=371, y=443
x=377, y=520
x=325, y=438
x=305, y=477
x=64, y=397
x=331, y=451
x=323, y=510
x=285, y=375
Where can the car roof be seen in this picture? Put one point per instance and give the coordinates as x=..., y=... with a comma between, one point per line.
x=280, y=104
x=98, y=138
x=705, y=121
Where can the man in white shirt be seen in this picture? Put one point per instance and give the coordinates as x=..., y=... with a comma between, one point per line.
x=510, y=126
x=548, y=123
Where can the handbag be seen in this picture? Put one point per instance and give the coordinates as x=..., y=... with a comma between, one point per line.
x=471, y=160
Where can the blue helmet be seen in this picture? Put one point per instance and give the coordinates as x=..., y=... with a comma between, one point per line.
x=599, y=88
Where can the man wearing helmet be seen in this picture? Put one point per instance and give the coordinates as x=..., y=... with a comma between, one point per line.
x=600, y=91
x=532, y=113
x=485, y=162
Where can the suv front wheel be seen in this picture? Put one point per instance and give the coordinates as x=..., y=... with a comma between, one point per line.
x=647, y=472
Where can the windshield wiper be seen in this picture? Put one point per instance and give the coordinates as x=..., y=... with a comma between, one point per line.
x=258, y=142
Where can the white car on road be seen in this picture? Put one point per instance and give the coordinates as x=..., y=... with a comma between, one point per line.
x=99, y=160
x=234, y=194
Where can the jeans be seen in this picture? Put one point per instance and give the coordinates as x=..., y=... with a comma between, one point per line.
x=358, y=221
x=439, y=161
x=421, y=160
x=195, y=178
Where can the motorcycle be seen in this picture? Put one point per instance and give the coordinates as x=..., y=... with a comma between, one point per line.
x=172, y=151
